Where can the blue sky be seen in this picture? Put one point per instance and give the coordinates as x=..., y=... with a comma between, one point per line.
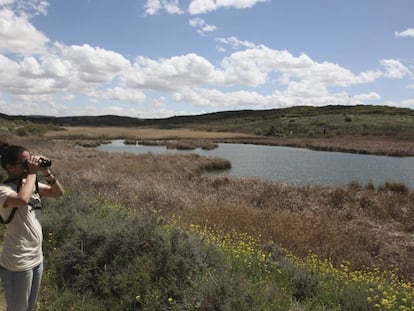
x=158, y=58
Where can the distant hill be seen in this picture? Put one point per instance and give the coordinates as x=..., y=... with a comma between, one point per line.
x=106, y=120
x=297, y=121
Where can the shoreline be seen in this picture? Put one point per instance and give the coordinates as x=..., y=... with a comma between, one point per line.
x=199, y=147
x=354, y=145
x=374, y=145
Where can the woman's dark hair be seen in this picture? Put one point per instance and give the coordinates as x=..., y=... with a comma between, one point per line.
x=10, y=154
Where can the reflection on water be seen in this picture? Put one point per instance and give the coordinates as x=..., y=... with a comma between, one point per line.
x=295, y=165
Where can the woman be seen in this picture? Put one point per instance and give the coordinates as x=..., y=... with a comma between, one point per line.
x=21, y=259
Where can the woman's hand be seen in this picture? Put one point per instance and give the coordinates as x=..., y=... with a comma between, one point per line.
x=34, y=165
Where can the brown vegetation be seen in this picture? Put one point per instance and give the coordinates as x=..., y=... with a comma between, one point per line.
x=352, y=144
x=179, y=144
x=364, y=225
x=134, y=133
x=190, y=139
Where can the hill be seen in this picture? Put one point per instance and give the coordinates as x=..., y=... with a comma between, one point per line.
x=301, y=121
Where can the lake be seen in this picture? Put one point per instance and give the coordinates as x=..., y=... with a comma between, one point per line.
x=295, y=165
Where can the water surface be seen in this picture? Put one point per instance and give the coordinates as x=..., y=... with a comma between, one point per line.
x=296, y=165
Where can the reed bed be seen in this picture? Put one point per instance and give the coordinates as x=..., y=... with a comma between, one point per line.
x=346, y=230
x=378, y=145
x=360, y=224
x=179, y=144
x=118, y=132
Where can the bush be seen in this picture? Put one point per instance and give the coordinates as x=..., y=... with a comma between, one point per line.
x=28, y=128
x=102, y=256
x=397, y=187
x=128, y=259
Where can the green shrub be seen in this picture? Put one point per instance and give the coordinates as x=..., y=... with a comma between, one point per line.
x=22, y=131
x=100, y=255
x=130, y=259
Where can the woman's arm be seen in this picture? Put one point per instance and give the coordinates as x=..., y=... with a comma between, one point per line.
x=54, y=189
x=22, y=198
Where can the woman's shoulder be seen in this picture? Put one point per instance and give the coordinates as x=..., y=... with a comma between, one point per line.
x=7, y=187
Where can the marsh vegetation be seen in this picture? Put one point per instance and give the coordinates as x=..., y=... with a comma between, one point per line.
x=154, y=232
x=357, y=129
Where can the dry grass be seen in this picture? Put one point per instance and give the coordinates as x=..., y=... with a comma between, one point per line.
x=380, y=145
x=362, y=225
x=140, y=133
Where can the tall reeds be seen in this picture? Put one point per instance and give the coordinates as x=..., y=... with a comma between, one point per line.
x=364, y=225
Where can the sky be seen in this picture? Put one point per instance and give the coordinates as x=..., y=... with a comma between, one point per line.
x=160, y=58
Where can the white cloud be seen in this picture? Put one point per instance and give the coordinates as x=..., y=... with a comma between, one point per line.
x=103, y=75
x=204, y=6
x=253, y=66
x=295, y=94
x=406, y=33
x=195, y=7
x=74, y=69
x=220, y=48
x=407, y=103
x=32, y=7
x=69, y=97
x=366, y=96
x=217, y=98
x=235, y=43
x=208, y=28
x=159, y=112
x=169, y=74
x=37, y=81
x=94, y=65
x=202, y=26
x=24, y=77
x=196, y=22
x=172, y=7
x=121, y=94
x=17, y=35
x=201, y=6
x=159, y=102
x=26, y=8
x=394, y=69
x=153, y=7
x=6, y=2
x=57, y=67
